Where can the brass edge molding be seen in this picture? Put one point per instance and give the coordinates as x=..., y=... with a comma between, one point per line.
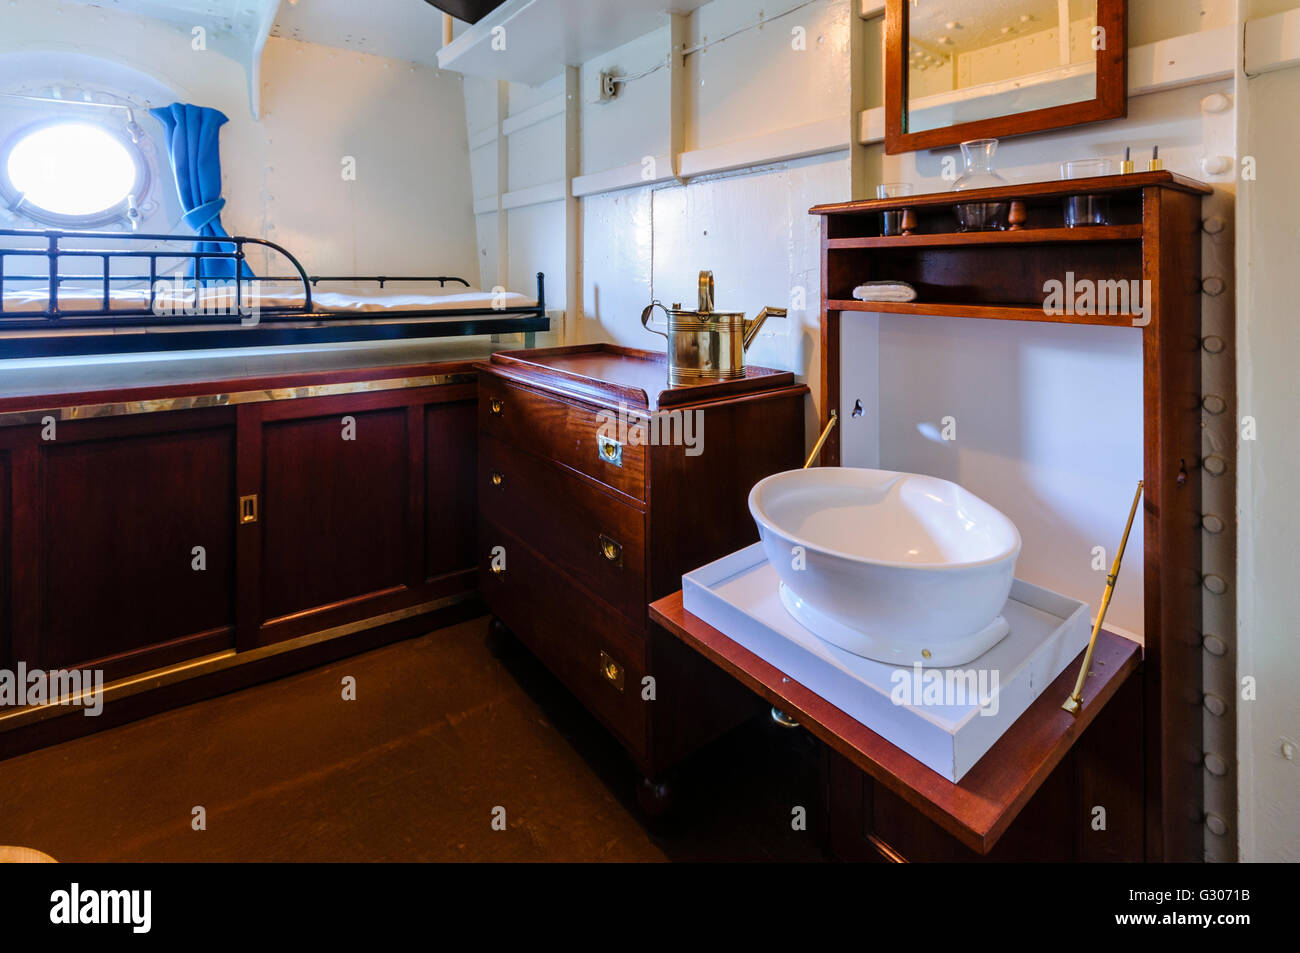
x=20, y=418
x=216, y=662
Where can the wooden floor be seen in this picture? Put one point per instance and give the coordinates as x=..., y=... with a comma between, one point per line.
x=441, y=733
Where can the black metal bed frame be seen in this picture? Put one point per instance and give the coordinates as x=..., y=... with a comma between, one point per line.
x=113, y=330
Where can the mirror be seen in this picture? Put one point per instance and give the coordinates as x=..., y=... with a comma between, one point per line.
x=967, y=69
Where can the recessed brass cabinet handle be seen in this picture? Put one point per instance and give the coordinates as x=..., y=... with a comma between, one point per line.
x=497, y=477
x=609, y=450
x=496, y=405
x=611, y=550
x=612, y=671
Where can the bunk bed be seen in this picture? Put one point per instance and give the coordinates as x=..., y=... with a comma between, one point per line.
x=66, y=293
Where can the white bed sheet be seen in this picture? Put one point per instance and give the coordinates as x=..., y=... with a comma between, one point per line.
x=340, y=298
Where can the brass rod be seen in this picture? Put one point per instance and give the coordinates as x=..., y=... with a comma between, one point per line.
x=835, y=416
x=1074, y=704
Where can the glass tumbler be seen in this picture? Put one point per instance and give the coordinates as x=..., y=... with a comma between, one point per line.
x=1081, y=210
x=891, y=222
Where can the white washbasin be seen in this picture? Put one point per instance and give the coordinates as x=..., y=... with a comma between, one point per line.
x=897, y=567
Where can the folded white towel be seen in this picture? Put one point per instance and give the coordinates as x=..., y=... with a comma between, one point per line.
x=884, y=291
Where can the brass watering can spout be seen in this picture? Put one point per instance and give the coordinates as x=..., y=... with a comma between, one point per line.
x=751, y=327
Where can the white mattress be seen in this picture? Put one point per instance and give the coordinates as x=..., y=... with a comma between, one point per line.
x=336, y=298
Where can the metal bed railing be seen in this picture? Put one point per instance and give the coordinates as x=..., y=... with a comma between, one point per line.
x=218, y=301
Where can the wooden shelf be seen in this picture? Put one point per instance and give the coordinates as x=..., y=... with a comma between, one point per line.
x=1024, y=236
x=998, y=312
x=978, y=808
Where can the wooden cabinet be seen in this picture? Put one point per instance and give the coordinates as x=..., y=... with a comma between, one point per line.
x=146, y=528
x=598, y=487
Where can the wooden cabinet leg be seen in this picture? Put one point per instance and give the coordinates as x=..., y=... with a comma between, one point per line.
x=501, y=642
x=654, y=796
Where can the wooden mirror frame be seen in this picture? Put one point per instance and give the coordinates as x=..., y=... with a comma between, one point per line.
x=1111, y=101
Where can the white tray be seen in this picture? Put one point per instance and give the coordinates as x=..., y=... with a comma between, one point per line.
x=738, y=595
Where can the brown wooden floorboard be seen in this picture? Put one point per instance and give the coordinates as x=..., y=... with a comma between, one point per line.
x=440, y=734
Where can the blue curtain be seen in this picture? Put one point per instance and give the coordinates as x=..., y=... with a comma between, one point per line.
x=192, y=147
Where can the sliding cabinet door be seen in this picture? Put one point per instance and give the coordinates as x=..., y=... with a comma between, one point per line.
x=340, y=531
x=119, y=538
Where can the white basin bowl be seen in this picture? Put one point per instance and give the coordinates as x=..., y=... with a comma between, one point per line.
x=897, y=567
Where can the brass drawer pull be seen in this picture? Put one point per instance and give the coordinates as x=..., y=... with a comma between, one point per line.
x=612, y=671
x=496, y=405
x=498, y=570
x=609, y=450
x=248, y=509
x=497, y=477
x=611, y=550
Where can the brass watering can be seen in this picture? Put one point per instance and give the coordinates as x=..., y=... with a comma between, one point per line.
x=706, y=345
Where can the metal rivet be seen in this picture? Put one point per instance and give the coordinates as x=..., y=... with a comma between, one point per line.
x=1215, y=583
x=925, y=653
x=1216, y=825
x=1215, y=103
x=1213, y=225
x=1214, y=704
x=1211, y=523
x=1215, y=465
x=1213, y=343
x=1214, y=645
x=1216, y=165
x=1216, y=765
x=1214, y=404
x=1213, y=285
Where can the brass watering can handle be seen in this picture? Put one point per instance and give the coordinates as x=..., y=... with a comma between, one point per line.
x=706, y=292
x=645, y=317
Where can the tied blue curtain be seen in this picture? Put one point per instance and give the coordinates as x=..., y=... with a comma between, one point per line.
x=192, y=146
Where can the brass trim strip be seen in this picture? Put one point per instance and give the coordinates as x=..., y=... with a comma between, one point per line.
x=20, y=418
x=217, y=662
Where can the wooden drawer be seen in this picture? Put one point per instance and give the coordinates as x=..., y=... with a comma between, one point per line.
x=559, y=430
x=589, y=646
x=583, y=530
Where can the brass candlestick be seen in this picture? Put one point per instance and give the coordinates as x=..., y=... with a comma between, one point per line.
x=1074, y=704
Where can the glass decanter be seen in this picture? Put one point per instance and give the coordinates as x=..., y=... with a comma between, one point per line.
x=979, y=174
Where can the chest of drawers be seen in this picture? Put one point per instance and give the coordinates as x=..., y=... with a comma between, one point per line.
x=598, y=487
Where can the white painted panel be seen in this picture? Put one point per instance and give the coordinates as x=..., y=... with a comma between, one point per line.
x=409, y=208
x=524, y=97
x=533, y=114
x=617, y=257
x=756, y=82
x=483, y=170
x=486, y=230
x=1273, y=42
x=536, y=244
x=1268, y=343
x=1048, y=423
x=859, y=384
x=1171, y=119
x=635, y=123
x=537, y=154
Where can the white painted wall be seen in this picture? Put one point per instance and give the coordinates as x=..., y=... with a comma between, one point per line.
x=409, y=209
x=1268, y=347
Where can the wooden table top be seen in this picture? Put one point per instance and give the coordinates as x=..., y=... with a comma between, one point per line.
x=977, y=809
